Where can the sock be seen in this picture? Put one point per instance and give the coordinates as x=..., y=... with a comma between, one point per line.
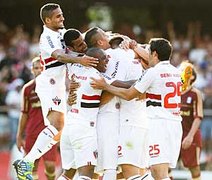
x=63, y=177
x=50, y=175
x=196, y=178
x=138, y=177
x=83, y=178
x=43, y=143
x=109, y=174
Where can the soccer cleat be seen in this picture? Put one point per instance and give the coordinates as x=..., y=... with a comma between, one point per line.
x=23, y=169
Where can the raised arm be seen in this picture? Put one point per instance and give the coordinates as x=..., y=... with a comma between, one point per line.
x=61, y=56
x=126, y=94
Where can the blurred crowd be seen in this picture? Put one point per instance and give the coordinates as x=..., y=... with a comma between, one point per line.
x=18, y=47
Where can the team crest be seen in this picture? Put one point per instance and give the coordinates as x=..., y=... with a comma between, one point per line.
x=52, y=81
x=56, y=101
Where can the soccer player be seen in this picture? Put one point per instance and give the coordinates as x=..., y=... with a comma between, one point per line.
x=31, y=124
x=162, y=85
x=108, y=117
x=192, y=114
x=50, y=85
x=79, y=140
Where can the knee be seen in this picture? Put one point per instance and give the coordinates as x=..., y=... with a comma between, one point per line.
x=50, y=170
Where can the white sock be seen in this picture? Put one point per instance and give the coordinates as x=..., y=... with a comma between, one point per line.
x=43, y=143
x=138, y=177
x=83, y=178
x=63, y=177
x=109, y=174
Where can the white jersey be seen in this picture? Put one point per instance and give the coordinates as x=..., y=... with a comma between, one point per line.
x=88, y=99
x=162, y=84
x=116, y=69
x=49, y=42
x=133, y=112
x=50, y=84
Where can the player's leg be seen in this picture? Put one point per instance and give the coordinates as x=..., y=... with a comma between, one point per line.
x=107, y=134
x=50, y=163
x=195, y=173
x=133, y=158
x=159, y=171
x=35, y=170
x=86, y=172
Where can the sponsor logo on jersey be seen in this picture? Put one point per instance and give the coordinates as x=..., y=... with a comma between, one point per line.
x=56, y=101
x=116, y=70
x=50, y=41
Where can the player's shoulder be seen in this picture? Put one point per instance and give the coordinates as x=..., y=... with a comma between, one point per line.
x=196, y=91
x=29, y=85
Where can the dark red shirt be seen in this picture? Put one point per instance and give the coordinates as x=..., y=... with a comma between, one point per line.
x=32, y=106
x=191, y=109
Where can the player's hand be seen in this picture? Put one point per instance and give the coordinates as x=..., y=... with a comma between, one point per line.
x=20, y=143
x=133, y=44
x=74, y=85
x=125, y=44
x=72, y=97
x=141, y=97
x=88, y=61
x=187, y=141
x=98, y=83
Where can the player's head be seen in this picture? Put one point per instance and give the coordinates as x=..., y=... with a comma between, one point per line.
x=52, y=16
x=96, y=37
x=74, y=41
x=160, y=49
x=115, y=41
x=36, y=68
x=101, y=56
x=188, y=75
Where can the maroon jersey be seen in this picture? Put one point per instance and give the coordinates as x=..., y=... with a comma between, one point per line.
x=191, y=108
x=32, y=106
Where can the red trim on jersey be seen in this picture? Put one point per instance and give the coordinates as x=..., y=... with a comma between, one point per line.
x=153, y=96
x=94, y=97
x=74, y=110
x=49, y=60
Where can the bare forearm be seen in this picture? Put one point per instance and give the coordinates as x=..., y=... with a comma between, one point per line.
x=22, y=124
x=65, y=58
x=120, y=92
x=195, y=126
x=123, y=84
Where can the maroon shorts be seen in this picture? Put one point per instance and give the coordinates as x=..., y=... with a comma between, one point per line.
x=51, y=155
x=191, y=156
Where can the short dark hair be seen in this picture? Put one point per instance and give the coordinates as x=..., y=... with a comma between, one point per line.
x=95, y=52
x=46, y=10
x=71, y=35
x=162, y=47
x=90, y=37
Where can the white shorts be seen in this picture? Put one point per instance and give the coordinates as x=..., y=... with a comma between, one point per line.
x=107, y=135
x=133, y=147
x=78, y=146
x=164, y=141
x=52, y=93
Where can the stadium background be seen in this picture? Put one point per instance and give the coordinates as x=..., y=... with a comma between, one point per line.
x=186, y=23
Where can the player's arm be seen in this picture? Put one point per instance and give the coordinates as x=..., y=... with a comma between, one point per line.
x=22, y=121
x=126, y=94
x=61, y=56
x=187, y=141
x=107, y=96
